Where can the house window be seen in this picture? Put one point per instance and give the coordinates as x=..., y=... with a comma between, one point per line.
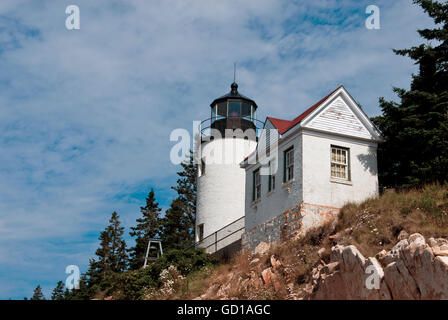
x=201, y=232
x=288, y=165
x=271, y=176
x=257, y=185
x=340, y=163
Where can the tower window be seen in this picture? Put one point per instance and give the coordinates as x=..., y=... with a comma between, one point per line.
x=213, y=116
x=245, y=109
x=222, y=109
x=288, y=172
x=234, y=108
x=201, y=232
x=256, y=185
x=340, y=163
x=202, y=166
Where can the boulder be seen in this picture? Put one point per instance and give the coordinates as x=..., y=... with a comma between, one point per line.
x=438, y=251
x=267, y=276
x=254, y=262
x=321, y=252
x=403, y=235
x=262, y=248
x=276, y=264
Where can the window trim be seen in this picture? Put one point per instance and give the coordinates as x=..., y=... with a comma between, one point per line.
x=347, y=164
x=271, y=184
x=285, y=168
x=255, y=194
x=200, y=232
x=203, y=163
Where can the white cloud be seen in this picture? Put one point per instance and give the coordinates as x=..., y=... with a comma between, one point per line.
x=85, y=115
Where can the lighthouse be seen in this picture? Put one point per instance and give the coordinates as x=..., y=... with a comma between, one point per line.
x=226, y=139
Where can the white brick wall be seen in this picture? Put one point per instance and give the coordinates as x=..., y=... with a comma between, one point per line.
x=221, y=190
x=312, y=182
x=283, y=197
x=318, y=186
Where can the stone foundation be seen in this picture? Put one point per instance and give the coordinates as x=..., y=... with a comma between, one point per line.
x=294, y=222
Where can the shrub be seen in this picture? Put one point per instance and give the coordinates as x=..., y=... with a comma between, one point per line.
x=185, y=261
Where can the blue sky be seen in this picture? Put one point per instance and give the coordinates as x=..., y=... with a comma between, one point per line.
x=85, y=115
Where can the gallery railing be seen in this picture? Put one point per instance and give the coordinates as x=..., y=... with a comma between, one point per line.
x=221, y=123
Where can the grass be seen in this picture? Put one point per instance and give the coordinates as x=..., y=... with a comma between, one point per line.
x=195, y=283
x=375, y=224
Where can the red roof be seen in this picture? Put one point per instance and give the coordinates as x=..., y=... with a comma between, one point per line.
x=284, y=125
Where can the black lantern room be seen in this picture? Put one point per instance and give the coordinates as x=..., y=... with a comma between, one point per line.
x=233, y=111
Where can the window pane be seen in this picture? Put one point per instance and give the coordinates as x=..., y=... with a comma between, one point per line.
x=234, y=108
x=290, y=157
x=245, y=109
x=202, y=167
x=201, y=232
x=290, y=173
x=222, y=109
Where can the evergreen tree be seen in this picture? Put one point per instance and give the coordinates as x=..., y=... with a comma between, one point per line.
x=67, y=294
x=111, y=254
x=147, y=227
x=177, y=227
x=186, y=189
x=176, y=233
x=58, y=292
x=415, y=150
x=86, y=287
x=38, y=295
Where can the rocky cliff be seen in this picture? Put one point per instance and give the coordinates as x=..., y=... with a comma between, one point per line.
x=413, y=269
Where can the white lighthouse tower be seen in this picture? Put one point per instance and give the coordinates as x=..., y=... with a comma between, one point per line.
x=227, y=138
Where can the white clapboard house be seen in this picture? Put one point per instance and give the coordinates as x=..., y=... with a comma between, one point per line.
x=294, y=175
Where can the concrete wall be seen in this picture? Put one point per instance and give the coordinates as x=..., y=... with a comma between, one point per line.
x=221, y=190
x=318, y=186
x=283, y=197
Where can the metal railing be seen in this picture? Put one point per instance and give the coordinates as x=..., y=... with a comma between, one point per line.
x=207, y=124
x=222, y=237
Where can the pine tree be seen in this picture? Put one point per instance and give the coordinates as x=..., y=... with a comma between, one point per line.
x=178, y=224
x=186, y=189
x=147, y=227
x=38, y=295
x=87, y=286
x=111, y=254
x=58, y=292
x=415, y=150
x=176, y=227
x=67, y=295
